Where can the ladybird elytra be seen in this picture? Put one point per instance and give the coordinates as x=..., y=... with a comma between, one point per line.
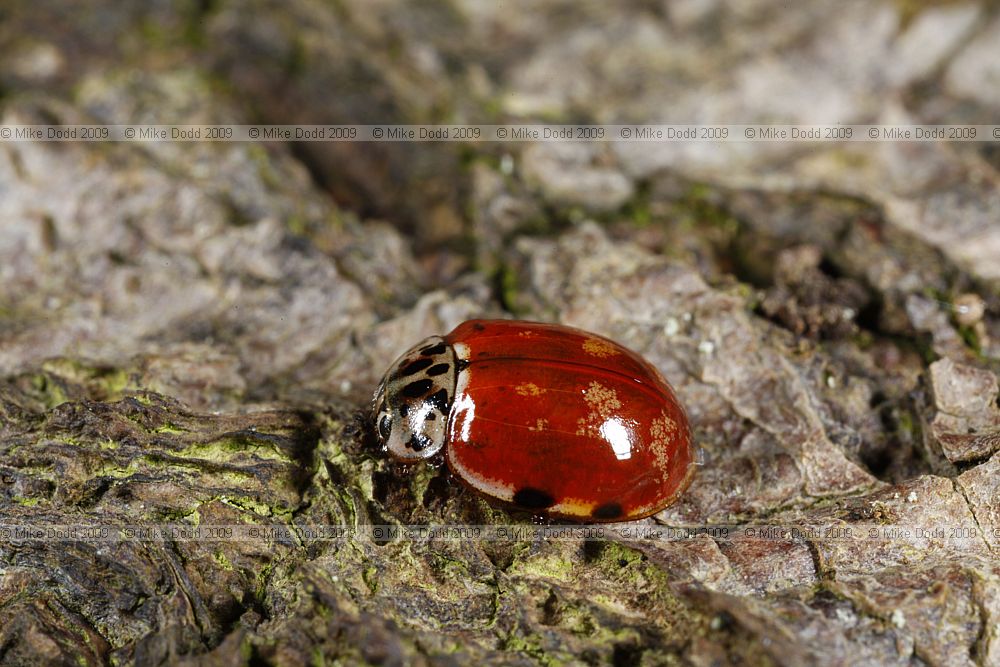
x=544, y=417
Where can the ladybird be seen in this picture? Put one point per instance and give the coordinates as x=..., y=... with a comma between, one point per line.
x=543, y=417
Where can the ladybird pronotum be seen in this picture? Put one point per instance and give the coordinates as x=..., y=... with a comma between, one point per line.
x=543, y=417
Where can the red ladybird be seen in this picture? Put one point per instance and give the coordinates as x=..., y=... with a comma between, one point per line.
x=545, y=417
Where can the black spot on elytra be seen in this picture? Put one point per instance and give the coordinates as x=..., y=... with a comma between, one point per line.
x=462, y=364
x=438, y=369
x=439, y=399
x=479, y=326
x=533, y=499
x=417, y=389
x=434, y=350
x=415, y=366
x=607, y=511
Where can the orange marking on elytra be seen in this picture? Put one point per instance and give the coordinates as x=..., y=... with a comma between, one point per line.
x=599, y=348
x=529, y=389
x=661, y=432
x=603, y=403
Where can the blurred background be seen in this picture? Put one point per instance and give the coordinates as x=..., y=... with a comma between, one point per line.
x=120, y=242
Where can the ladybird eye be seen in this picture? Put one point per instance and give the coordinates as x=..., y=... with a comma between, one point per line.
x=385, y=426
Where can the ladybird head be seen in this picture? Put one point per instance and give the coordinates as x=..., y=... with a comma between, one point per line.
x=413, y=401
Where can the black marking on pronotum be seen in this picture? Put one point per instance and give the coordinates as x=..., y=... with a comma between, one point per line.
x=439, y=399
x=415, y=366
x=431, y=416
x=418, y=442
x=462, y=364
x=434, y=350
x=417, y=388
x=610, y=510
x=404, y=409
x=385, y=427
x=438, y=369
x=533, y=499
